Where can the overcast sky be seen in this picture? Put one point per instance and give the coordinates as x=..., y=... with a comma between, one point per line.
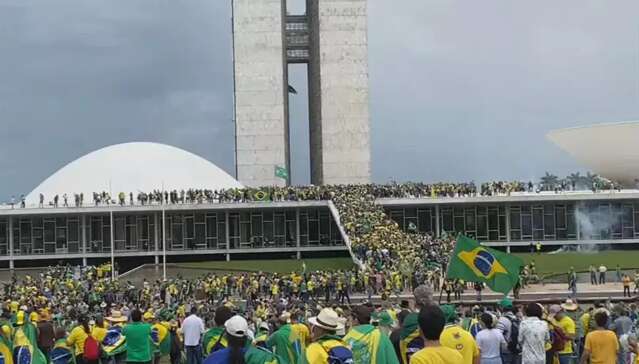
x=460, y=90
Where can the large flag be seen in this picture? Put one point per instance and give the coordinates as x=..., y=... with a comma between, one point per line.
x=25, y=349
x=369, y=345
x=475, y=263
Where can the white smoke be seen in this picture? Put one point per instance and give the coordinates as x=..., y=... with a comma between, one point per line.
x=592, y=226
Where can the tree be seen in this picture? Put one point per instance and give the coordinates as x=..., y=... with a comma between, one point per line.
x=549, y=181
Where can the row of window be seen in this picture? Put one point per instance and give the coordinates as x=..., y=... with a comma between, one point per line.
x=552, y=221
x=184, y=231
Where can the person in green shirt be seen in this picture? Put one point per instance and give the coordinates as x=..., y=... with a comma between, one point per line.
x=138, y=339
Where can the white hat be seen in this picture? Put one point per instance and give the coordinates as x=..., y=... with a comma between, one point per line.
x=327, y=319
x=237, y=326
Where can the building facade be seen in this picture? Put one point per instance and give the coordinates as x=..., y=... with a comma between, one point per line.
x=331, y=38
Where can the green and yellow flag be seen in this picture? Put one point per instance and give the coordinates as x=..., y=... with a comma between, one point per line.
x=475, y=263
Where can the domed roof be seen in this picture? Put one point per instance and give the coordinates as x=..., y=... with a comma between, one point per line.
x=133, y=167
x=608, y=149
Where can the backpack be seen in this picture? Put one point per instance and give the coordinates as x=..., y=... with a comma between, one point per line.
x=513, y=342
x=339, y=355
x=91, y=349
x=558, y=338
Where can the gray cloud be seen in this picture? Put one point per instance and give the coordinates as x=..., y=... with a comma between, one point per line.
x=459, y=90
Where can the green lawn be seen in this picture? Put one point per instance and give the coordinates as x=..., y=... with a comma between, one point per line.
x=561, y=262
x=277, y=266
x=547, y=264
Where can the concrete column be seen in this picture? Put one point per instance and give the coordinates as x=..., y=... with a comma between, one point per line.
x=437, y=228
x=156, y=229
x=83, y=220
x=11, y=242
x=297, y=232
x=227, y=233
x=508, y=241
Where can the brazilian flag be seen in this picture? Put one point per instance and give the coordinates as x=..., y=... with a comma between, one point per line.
x=25, y=349
x=475, y=263
x=6, y=355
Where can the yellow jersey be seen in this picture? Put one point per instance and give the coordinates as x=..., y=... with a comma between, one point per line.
x=437, y=355
x=456, y=338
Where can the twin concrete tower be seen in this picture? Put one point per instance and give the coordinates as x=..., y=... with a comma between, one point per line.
x=331, y=38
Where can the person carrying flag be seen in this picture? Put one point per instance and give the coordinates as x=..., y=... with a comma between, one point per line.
x=285, y=342
x=368, y=343
x=214, y=340
x=5, y=337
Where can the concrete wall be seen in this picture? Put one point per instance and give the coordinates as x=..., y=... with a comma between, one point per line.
x=338, y=89
x=260, y=89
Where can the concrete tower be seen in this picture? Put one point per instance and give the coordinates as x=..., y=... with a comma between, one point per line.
x=332, y=39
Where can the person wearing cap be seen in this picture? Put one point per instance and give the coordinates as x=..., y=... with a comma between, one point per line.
x=431, y=325
x=456, y=338
x=138, y=339
x=559, y=318
x=602, y=345
x=239, y=350
x=368, y=343
x=505, y=324
x=285, y=342
x=571, y=309
x=325, y=341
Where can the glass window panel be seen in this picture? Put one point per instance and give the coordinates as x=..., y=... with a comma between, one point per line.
x=119, y=229
x=74, y=231
x=459, y=224
x=411, y=212
x=424, y=222
x=515, y=219
x=493, y=219
x=526, y=226
x=279, y=224
x=199, y=234
x=538, y=218
x=560, y=216
x=549, y=225
x=470, y=219
x=268, y=232
x=256, y=224
x=303, y=223
x=211, y=227
x=49, y=231
x=482, y=224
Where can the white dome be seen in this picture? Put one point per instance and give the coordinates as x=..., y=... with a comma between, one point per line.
x=608, y=149
x=133, y=167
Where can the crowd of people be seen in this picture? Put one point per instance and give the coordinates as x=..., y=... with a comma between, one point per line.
x=549, y=182
x=80, y=315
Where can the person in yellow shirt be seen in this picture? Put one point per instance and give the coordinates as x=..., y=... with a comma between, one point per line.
x=325, y=341
x=431, y=325
x=99, y=330
x=559, y=318
x=78, y=336
x=601, y=345
x=456, y=338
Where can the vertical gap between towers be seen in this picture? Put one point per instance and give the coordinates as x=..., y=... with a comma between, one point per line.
x=299, y=137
